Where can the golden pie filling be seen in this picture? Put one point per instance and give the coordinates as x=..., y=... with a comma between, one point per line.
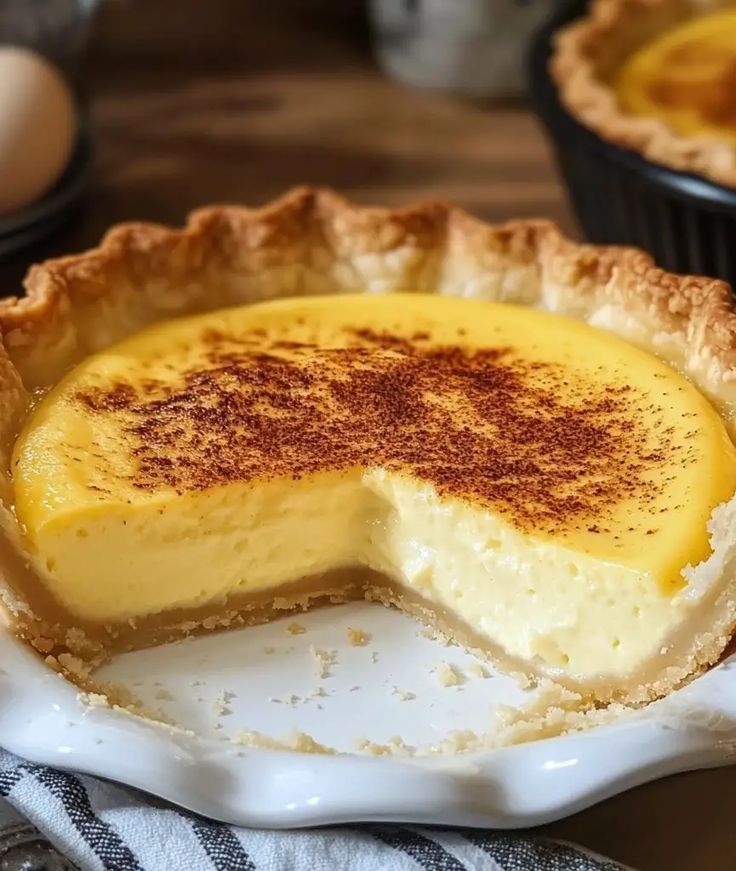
x=687, y=77
x=525, y=481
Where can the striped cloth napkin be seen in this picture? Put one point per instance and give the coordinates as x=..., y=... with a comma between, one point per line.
x=54, y=821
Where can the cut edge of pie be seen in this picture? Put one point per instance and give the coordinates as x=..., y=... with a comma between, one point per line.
x=588, y=52
x=312, y=241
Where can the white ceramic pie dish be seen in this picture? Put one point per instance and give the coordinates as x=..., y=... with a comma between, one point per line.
x=43, y=720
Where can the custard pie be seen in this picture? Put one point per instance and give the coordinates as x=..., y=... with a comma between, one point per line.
x=523, y=442
x=656, y=76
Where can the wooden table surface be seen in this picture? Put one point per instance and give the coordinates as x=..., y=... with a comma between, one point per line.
x=197, y=120
x=224, y=109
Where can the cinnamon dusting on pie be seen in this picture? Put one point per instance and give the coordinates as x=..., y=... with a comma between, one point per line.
x=487, y=425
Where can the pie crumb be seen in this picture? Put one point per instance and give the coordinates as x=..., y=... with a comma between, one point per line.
x=220, y=704
x=94, y=700
x=448, y=675
x=404, y=695
x=300, y=741
x=432, y=634
x=357, y=637
x=293, y=700
x=395, y=746
x=74, y=665
x=306, y=744
x=296, y=629
x=477, y=669
x=323, y=660
x=523, y=681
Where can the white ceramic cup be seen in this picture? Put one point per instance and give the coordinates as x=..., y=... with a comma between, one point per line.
x=473, y=47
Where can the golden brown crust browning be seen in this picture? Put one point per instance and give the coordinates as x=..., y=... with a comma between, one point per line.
x=587, y=53
x=313, y=241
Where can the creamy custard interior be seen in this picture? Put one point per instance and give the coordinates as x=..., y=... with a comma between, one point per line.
x=543, y=481
x=687, y=77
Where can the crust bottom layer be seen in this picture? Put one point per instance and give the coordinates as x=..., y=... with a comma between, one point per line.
x=76, y=652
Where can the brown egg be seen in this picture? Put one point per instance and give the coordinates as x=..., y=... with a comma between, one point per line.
x=37, y=127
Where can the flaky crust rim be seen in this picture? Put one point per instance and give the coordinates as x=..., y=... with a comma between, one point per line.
x=314, y=241
x=608, y=31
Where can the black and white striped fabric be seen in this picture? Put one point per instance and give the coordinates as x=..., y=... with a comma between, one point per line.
x=54, y=821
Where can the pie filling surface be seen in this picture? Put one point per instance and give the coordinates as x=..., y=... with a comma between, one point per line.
x=544, y=483
x=687, y=77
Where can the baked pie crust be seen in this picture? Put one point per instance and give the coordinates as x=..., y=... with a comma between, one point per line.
x=314, y=242
x=589, y=52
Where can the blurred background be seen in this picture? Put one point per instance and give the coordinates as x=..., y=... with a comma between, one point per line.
x=187, y=102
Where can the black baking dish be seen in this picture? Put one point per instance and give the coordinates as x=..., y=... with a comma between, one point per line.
x=685, y=221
